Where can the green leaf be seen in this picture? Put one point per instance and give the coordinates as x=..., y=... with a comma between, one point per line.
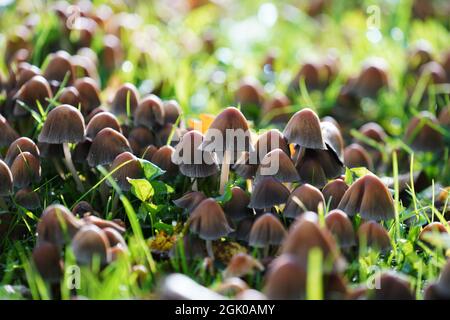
x=164, y=226
x=151, y=170
x=226, y=196
x=161, y=187
x=142, y=189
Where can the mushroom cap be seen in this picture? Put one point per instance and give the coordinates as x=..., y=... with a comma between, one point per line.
x=243, y=167
x=373, y=131
x=8, y=133
x=190, y=200
x=89, y=94
x=392, y=286
x=303, y=129
x=193, y=162
x=422, y=136
x=267, y=230
x=143, y=136
x=433, y=227
x=47, y=259
x=70, y=95
x=268, y=141
x=237, y=207
x=100, y=121
x=82, y=207
x=242, y=264
x=172, y=111
x=309, y=197
x=333, y=139
x=103, y=224
x=356, y=155
x=208, y=220
x=119, y=103
x=267, y=193
x=243, y=227
x=27, y=198
x=249, y=92
x=58, y=66
x=149, y=152
x=341, y=227
x=150, y=112
x=81, y=151
x=64, y=124
x=49, y=227
x=106, y=146
x=369, y=197
x=276, y=163
x=374, y=235
x=333, y=192
x=163, y=159
x=35, y=89
x=6, y=179
x=89, y=242
x=25, y=170
x=128, y=167
x=19, y=145
x=443, y=283
x=306, y=234
x=228, y=127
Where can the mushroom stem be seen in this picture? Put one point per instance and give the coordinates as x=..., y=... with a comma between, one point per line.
x=71, y=167
x=225, y=171
x=194, y=184
x=266, y=251
x=58, y=168
x=209, y=249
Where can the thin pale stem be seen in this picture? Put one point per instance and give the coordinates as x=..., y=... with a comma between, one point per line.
x=209, y=249
x=225, y=171
x=194, y=184
x=71, y=167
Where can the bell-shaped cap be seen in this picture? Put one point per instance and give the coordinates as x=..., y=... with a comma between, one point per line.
x=89, y=94
x=277, y=164
x=82, y=208
x=242, y=264
x=126, y=96
x=37, y=89
x=208, y=221
x=163, y=159
x=103, y=224
x=228, y=131
x=372, y=79
x=148, y=152
x=392, y=286
x=21, y=145
x=172, y=111
x=58, y=67
x=126, y=166
x=237, y=207
x=100, y=121
x=193, y=162
x=25, y=170
x=268, y=141
x=304, y=198
x=333, y=139
x=57, y=224
x=142, y=136
x=267, y=230
x=243, y=166
x=90, y=243
x=341, y=227
x=71, y=96
x=6, y=179
x=432, y=228
x=303, y=129
x=421, y=133
x=333, y=193
x=27, y=198
x=106, y=146
x=190, y=200
x=150, y=112
x=369, y=197
x=374, y=131
x=8, y=133
x=47, y=259
x=64, y=124
x=306, y=234
x=356, y=155
x=267, y=193
x=374, y=235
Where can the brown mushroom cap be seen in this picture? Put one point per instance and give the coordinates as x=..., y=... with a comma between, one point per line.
x=90, y=242
x=64, y=124
x=106, y=146
x=6, y=179
x=56, y=225
x=242, y=264
x=89, y=94
x=148, y=153
x=303, y=129
x=119, y=103
x=163, y=159
x=369, y=197
x=190, y=200
x=82, y=207
x=243, y=167
x=208, y=220
x=150, y=112
x=47, y=259
x=333, y=192
x=267, y=230
x=100, y=121
x=35, y=89
x=193, y=162
x=333, y=139
x=374, y=235
x=268, y=141
x=433, y=227
x=421, y=135
x=58, y=66
x=8, y=133
x=341, y=227
x=70, y=95
x=356, y=155
x=309, y=197
x=392, y=286
x=373, y=131
x=276, y=163
x=132, y=169
x=21, y=145
x=27, y=198
x=267, y=193
x=237, y=207
x=172, y=111
x=25, y=170
x=142, y=136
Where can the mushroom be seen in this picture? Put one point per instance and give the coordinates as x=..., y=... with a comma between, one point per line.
x=190, y=200
x=64, y=125
x=242, y=264
x=149, y=113
x=392, y=286
x=374, y=235
x=303, y=129
x=8, y=133
x=22, y=144
x=6, y=179
x=163, y=159
x=100, y=121
x=237, y=207
x=27, y=198
x=209, y=222
x=172, y=111
x=47, y=259
x=106, y=146
x=126, y=97
x=267, y=193
x=440, y=289
x=126, y=166
x=356, y=155
x=303, y=198
x=90, y=243
x=341, y=227
x=268, y=141
x=422, y=135
x=333, y=192
x=59, y=67
x=89, y=94
x=36, y=90
x=267, y=230
x=369, y=197
x=25, y=170
x=227, y=135
x=276, y=163
x=70, y=95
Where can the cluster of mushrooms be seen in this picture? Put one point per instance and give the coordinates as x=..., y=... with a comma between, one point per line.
x=58, y=115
